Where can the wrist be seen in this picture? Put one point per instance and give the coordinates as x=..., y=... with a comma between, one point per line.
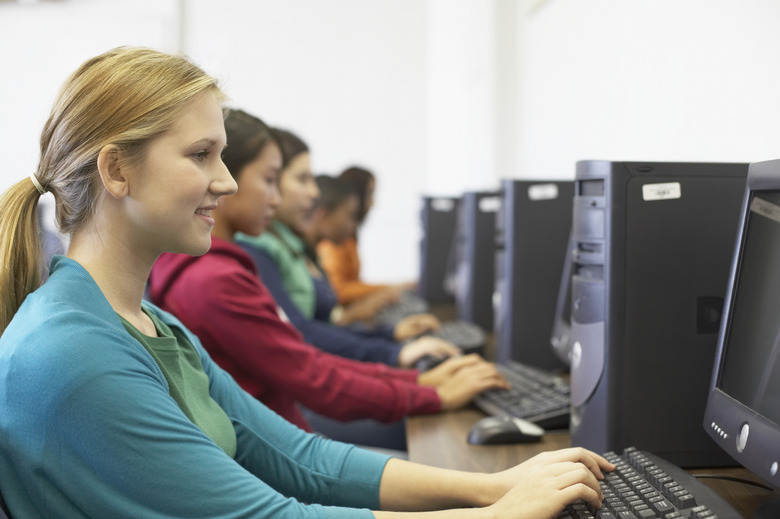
x=488, y=490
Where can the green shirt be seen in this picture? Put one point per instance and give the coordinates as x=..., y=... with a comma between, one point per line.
x=289, y=253
x=188, y=383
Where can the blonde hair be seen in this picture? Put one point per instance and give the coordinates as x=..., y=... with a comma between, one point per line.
x=125, y=97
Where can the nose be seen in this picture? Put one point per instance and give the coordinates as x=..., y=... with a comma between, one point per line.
x=223, y=183
x=276, y=197
x=314, y=191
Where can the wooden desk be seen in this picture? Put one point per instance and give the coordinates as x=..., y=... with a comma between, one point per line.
x=440, y=440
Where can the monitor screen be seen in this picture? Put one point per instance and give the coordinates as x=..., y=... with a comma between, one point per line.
x=743, y=408
x=750, y=373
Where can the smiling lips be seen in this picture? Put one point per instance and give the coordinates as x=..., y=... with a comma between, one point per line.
x=205, y=213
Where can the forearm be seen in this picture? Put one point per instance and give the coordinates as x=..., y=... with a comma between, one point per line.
x=407, y=486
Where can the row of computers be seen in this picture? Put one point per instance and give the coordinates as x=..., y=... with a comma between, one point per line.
x=656, y=286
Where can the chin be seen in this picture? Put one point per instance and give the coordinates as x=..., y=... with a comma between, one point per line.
x=198, y=250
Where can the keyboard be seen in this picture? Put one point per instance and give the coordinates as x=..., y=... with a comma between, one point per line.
x=408, y=304
x=644, y=486
x=536, y=395
x=465, y=335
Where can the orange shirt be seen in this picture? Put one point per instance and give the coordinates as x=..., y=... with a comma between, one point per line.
x=342, y=265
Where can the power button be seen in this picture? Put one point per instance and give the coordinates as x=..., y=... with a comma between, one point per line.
x=742, y=437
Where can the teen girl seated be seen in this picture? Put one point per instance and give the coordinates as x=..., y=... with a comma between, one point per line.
x=340, y=259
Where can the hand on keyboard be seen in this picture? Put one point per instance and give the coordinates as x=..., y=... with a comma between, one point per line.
x=459, y=379
x=644, y=486
x=414, y=326
x=413, y=351
x=543, y=485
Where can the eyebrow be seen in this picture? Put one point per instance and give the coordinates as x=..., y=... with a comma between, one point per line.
x=207, y=141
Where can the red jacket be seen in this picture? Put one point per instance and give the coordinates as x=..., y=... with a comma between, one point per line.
x=221, y=299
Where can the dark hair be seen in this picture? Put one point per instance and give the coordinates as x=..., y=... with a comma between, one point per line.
x=247, y=137
x=291, y=145
x=359, y=178
x=333, y=192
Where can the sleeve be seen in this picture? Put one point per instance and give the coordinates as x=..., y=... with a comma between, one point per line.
x=243, y=320
x=272, y=448
x=342, y=265
x=117, y=445
x=379, y=330
x=325, y=336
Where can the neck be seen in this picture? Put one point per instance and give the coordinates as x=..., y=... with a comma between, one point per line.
x=119, y=271
x=311, y=235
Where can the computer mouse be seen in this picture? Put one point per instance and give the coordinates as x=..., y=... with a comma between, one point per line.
x=497, y=430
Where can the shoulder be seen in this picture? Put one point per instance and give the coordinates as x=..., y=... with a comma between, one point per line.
x=55, y=348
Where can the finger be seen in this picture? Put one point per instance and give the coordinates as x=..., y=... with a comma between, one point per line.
x=431, y=321
x=479, y=379
x=460, y=362
x=445, y=349
x=593, y=461
x=485, y=370
x=575, y=472
x=581, y=491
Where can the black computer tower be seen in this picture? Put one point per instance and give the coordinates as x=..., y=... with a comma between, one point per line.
x=532, y=233
x=473, y=257
x=653, y=243
x=438, y=218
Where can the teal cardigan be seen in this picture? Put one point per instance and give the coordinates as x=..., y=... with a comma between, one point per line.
x=287, y=251
x=88, y=428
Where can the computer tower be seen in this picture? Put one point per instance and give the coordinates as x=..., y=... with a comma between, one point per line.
x=653, y=244
x=532, y=233
x=473, y=257
x=438, y=218
x=560, y=335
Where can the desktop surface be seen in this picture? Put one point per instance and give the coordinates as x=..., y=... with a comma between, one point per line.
x=440, y=440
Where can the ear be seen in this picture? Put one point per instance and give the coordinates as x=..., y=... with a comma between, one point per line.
x=110, y=171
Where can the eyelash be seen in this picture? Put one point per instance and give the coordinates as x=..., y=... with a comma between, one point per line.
x=201, y=155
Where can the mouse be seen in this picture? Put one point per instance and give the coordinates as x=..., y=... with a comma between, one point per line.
x=497, y=430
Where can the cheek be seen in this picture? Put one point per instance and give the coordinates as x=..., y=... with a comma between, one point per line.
x=264, y=197
x=302, y=194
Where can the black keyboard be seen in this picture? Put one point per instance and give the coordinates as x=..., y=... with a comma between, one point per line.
x=644, y=486
x=536, y=395
x=408, y=304
x=465, y=335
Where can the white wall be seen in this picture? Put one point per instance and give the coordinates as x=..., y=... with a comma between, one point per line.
x=42, y=43
x=688, y=80
x=436, y=96
x=349, y=77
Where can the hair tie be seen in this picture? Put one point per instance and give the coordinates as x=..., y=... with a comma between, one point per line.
x=37, y=184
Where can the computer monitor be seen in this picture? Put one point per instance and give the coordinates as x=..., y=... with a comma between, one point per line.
x=560, y=338
x=742, y=413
